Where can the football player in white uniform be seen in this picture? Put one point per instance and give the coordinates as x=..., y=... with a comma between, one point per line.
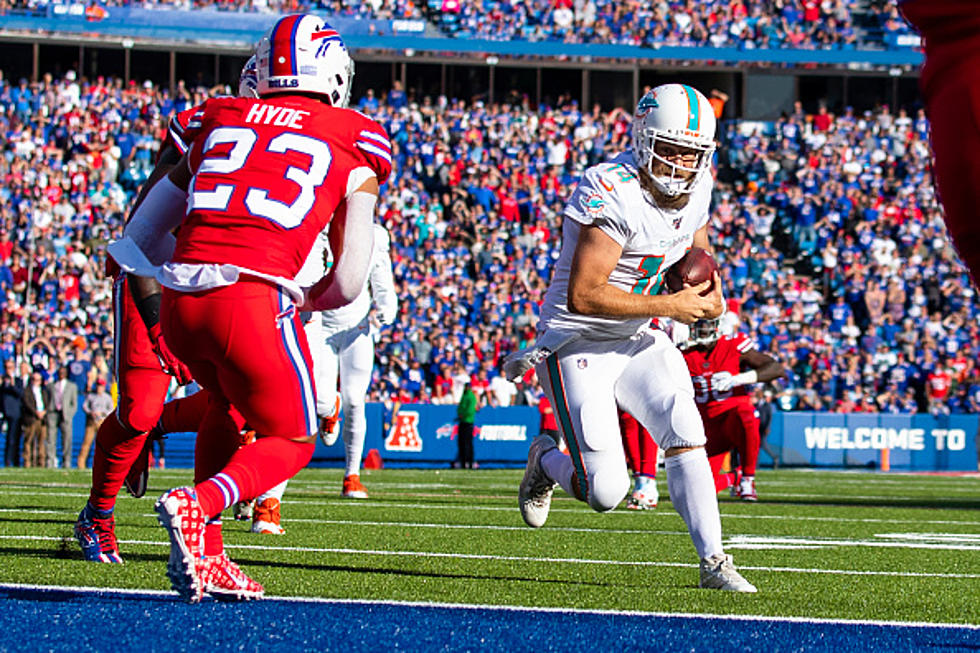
x=346, y=347
x=628, y=221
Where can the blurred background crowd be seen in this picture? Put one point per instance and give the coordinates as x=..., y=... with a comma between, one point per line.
x=831, y=240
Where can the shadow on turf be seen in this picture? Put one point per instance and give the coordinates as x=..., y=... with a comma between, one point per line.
x=254, y=564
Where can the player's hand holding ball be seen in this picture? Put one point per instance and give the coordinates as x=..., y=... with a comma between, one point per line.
x=695, y=285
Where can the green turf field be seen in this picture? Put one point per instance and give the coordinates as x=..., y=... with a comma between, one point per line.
x=817, y=544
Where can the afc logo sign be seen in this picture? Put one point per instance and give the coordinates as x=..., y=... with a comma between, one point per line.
x=404, y=434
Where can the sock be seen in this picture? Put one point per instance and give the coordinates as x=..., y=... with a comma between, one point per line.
x=354, y=432
x=184, y=415
x=275, y=493
x=692, y=493
x=252, y=470
x=213, y=543
x=116, y=448
x=629, y=432
x=559, y=468
x=648, y=454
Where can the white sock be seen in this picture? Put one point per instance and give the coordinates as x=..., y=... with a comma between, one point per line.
x=275, y=493
x=559, y=468
x=692, y=491
x=354, y=433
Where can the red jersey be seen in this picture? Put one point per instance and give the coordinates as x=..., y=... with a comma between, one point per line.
x=939, y=384
x=723, y=359
x=268, y=175
x=183, y=124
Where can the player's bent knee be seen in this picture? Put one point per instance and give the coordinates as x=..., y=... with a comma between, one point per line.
x=686, y=428
x=140, y=418
x=607, y=489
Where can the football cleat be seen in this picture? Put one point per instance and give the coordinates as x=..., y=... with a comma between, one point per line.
x=718, y=573
x=242, y=510
x=266, y=516
x=182, y=516
x=353, y=489
x=746, y=489
x=97, y=535
x=645, y=495
x=225, y=581
x=534, y=494
x=330, y=426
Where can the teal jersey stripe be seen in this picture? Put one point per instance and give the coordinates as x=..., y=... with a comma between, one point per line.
x=693, y=108
x=565, y=418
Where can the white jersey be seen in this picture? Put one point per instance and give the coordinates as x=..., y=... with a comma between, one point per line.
x=379, y=287
x=609, y=197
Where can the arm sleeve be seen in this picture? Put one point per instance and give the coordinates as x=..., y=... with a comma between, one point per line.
x=382, y=279
x=352, y=263
x=147, y=240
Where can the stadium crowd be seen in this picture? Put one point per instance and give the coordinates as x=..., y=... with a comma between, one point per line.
x=745, y=24
x=831, y=240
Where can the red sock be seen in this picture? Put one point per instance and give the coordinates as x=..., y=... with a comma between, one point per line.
x=116, y=448
x=748, y=452
x=648, y=454
x=629, y=431
x=213, y=544
x=253, y=469
x=184, y=415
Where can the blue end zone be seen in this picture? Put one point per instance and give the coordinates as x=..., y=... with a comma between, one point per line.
x=83, y=619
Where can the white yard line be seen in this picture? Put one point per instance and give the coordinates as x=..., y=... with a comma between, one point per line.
x=523, y=559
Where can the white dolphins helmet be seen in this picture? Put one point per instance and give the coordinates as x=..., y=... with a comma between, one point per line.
x=681, y=116
x=248, y=81
x=303, y=53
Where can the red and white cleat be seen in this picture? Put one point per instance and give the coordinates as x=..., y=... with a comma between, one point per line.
x=353, y=489
x=225, y=581
x=182, y=516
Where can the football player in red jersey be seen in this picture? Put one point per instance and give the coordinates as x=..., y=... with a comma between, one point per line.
x=262, y=180
x=950, y=83
x=144, y=367
x=716, y=364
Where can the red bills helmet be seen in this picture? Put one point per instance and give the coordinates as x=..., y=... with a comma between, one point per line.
x=678, y=115
x=303, y=53
x=248, y=81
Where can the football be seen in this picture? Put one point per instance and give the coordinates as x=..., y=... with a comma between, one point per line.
x=696, y=266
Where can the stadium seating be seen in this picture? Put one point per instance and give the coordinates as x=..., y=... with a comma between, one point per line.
x=829, y=234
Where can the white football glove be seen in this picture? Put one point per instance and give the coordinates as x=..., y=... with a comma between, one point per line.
x=723, y=381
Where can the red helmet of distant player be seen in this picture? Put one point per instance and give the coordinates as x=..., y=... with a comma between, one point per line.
x=303, y=53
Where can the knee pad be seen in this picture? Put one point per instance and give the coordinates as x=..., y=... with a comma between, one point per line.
x=684, y=425
x=608, y=488
x=139, y=416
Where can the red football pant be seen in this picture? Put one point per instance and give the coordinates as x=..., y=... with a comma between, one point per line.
x=142, y=390
x=736, y=428
x=245, y=344
x=641, y=450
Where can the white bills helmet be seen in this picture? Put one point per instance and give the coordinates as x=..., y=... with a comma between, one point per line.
x=678, y=115
x=248, y=82
x=704, y=332
x=303, y=53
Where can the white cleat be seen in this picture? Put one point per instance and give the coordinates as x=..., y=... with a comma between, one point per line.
x=645, y=495
x=534, y=496
x=718, y=573
x=330, y=426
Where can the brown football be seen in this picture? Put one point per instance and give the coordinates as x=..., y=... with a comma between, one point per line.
x=695, y=267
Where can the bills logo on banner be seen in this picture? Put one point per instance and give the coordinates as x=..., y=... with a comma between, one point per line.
x=404, y=434
x=447, y=431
